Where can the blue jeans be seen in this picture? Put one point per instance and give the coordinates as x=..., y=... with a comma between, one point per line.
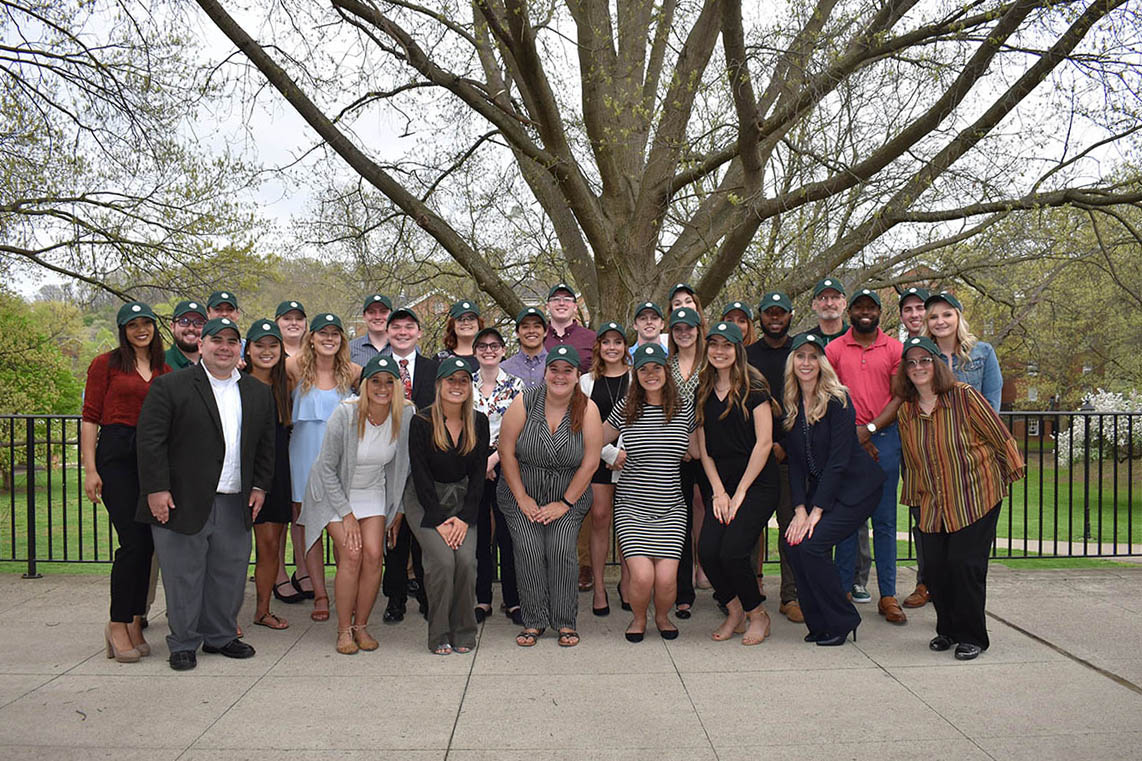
x=887, y=443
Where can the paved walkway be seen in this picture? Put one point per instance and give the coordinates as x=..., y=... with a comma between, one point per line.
x=1063, y=679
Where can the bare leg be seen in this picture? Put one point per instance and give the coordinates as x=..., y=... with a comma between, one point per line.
x=639, y=588
x=600, y=537
x=267, y=540
x=297, y=536
x=665, y=591
x=369, y=582
x=345, y=583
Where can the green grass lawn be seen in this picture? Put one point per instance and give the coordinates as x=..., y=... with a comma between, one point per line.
x=75, y=530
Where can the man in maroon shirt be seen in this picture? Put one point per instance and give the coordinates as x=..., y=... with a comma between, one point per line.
x=562, y=329
x=866, y=358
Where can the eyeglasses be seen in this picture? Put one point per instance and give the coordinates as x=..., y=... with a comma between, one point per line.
x=922, y=362
x=561, y=300
x=467, y=318
x=186, y=322
x=494, y=346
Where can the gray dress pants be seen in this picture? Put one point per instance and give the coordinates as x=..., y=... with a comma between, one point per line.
x=204, y=575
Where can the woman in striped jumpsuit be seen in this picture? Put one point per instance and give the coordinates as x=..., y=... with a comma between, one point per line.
x=550, y=440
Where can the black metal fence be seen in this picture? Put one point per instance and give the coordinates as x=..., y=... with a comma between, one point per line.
x=1079, y=498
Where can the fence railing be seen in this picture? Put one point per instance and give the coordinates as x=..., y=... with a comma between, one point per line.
x=1079, y=498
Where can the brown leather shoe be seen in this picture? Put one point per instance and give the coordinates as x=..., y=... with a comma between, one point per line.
x=792, y=611
x=919, y=597
x=586, y=578
x=891, y=611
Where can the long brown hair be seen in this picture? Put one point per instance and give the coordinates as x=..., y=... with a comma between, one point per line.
x=636, y=398
x=342, y=365
x=699, y=348
x=942, y=380
x=744, y=380
x=279, y=383
x=396, y=408
x=598, y=365
x=123, y=356
x=467, y=416
x=451, y=340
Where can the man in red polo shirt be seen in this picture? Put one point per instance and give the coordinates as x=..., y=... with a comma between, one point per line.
x=866, y=358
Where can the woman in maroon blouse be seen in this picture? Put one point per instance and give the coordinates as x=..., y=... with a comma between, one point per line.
x=117, y=383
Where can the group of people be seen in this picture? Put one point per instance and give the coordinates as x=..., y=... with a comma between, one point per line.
x=688, y=433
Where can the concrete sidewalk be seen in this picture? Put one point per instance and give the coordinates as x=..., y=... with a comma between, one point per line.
x=1063, y=679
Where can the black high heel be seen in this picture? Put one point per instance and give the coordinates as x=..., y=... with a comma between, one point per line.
x=837, y=639
x=308, y=595
x=816, y=636
x=622, y=600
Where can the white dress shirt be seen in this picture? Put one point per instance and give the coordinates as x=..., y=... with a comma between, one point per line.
x=229, y=401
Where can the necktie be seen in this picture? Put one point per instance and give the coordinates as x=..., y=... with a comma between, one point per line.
x=406, y=379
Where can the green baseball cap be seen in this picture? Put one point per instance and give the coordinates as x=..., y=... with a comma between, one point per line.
x=746, y=309
x=865, y=293
x=921, y=342
x=609, y=326
x=726, y=330
x=649, y=354
x=946, y=297
x=402, y=313
x=189, y=307
x=133, y=309
x=451, y=366
x=563, y=353
x=461, y=308
x=648, y=305
x=261, y=329
x=530, y=312
x=376, y=298
x=218, y=324
x=920, y=293
x=679, y=287
x=826, y=283
x=685, y=316
x=289, y=306
x=379, y=363
x=222, y=297
x=561, y=287
x=491, y=330
x=808, y=338
x=775, y=299
x=324, y=320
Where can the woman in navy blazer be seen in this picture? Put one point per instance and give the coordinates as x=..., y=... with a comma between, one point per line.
x=835, y=486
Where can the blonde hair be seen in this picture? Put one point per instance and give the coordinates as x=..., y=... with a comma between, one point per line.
x=396, y=408
x=342, y=366
x=965, y=339
x=467, y=415
x=828, y=387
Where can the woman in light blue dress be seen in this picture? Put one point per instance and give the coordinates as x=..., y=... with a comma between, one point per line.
x=322, y=375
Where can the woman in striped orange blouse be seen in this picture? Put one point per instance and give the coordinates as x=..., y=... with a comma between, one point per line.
x=960, y=459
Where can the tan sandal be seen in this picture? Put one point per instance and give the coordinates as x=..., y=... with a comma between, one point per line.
x=364, y=640
x=273, y=622
x=346, y=645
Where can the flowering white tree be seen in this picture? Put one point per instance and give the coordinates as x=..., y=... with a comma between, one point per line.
x=1108, y=436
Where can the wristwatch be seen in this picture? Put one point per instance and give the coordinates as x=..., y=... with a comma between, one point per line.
x=871, y=427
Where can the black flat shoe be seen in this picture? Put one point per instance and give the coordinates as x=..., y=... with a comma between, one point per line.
x=235, y=648
x=622, y=600
x=965, y=651
x=605, y=610
x=634, y=636
x=941, y=643
x=683, y=613
x=668, y=633
x=183, y=660
x=515, y=614
x=482, y=614
x=293, y=579
x=394, y=614
x=289, y=599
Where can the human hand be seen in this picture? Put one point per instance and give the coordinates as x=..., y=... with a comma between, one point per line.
x=721, y=507
x=872, y=450
x=778, y=453
x=798, y=526
x=392, y=531
x=257, y=499
x=529, y=509
x=352, y=532
x=814, y=518
x=863, y=435
x=551, y=512
x=620, y=460
x=734, y=506
x=160, y=503
x=92, y=485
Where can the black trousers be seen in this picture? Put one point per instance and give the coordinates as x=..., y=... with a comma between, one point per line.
x=394, y=581
x=726, y=550
x=823, y=599
x=956, y=572
x=692, y=475
x=915, y=513
x=485, y=564
x=115, y=459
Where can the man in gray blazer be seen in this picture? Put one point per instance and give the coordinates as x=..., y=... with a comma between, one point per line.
x=206, y=459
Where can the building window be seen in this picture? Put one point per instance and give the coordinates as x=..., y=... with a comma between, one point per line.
x=1032, y=369
x=1032, y=394
x=1033, y=427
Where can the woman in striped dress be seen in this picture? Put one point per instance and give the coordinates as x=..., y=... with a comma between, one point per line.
x=657, y=426
x=550, y=439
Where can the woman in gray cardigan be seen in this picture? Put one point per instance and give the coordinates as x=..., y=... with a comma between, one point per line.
x=355, y=488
